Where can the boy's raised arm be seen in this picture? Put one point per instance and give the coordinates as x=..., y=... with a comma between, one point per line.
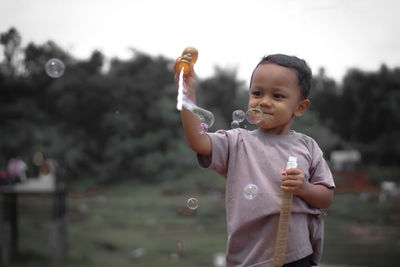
x=198, y=142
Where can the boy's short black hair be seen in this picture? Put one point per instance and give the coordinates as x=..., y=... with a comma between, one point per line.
x=300, y=66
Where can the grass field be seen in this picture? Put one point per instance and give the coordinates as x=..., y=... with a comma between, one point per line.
x=133, y=224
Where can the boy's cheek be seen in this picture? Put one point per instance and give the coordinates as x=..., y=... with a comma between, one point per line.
x=252, y=103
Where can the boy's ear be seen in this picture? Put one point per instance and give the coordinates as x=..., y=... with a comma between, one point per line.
x=302, y=107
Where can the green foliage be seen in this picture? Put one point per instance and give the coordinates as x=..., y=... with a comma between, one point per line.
x=311, y=125
x=222, y=94
x=104, y=227
x=379, y=173
x=103, y=126
x=364, y=112
x=123, y=124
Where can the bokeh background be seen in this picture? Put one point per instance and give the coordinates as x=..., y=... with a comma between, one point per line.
x=110, y=127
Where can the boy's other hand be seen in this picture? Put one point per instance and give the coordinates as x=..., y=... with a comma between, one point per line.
x=293, y=181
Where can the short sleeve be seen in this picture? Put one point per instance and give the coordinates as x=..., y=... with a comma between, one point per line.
x=218, y=160
x=319, y=169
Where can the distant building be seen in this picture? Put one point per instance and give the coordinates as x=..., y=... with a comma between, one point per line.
x=389, y=189
x=345, y=159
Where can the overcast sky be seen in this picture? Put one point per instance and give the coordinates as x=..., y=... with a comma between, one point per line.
x=335, y=34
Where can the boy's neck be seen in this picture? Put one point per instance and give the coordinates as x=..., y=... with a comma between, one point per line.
x=284, y=130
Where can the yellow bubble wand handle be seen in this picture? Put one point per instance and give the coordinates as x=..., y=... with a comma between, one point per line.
x=283, y=229
x=187, y=60
x=284, y=221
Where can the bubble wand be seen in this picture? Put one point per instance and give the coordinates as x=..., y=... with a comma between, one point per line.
x=183, y=66
x=284, y=220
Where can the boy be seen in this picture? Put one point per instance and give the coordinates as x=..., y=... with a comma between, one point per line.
x=279, y=87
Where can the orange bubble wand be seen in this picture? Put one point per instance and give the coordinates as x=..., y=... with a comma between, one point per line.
x=183, y=65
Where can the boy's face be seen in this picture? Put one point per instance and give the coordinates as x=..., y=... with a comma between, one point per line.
x=275, y=90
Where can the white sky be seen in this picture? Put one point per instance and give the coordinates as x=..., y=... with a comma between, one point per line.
x=335, y=34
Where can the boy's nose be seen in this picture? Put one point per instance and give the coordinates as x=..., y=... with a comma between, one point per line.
x=265, y=101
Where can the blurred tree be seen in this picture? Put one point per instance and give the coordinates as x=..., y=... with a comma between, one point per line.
x=222, y=94
x=364, y=111
x=370, y=104
x=95, y=63
x=11, y=41
x=124, y=124
x=324, y=98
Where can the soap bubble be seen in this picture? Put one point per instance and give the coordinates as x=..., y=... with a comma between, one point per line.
x=238, y=115
x=205, y=116
x=203, y=127
x=254, y=115
x=55, y=68
x=250, y=191
x=192, y=203
x=235, y=124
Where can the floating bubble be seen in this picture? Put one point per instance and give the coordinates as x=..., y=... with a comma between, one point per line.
x=204, y=115
x=250, y=191
x=254, y=115
x=235, y=124
x=238, y=115
x=203, y=127
x=192, y=203
x=55, y=68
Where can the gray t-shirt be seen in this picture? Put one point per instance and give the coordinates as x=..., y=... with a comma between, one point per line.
x=254, y=157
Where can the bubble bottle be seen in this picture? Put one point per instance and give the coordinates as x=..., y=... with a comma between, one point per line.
x=183, y=66
x=284, y=220
x=187, y=60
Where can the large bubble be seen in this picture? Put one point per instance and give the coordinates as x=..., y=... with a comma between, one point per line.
x=55, y=68
x=254, y=115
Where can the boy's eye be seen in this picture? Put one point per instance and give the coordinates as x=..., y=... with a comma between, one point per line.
x=256, y=93
x=278, y=96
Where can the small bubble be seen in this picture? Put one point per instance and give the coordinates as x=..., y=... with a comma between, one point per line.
x=192, y=203
x=235, y=124
x=238, y=115
x=203, y=127
x=250, y=191
x=254, y=115
x=55, y=68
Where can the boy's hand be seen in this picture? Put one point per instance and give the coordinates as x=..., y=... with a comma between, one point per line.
x=189, y=80
x=293, y=181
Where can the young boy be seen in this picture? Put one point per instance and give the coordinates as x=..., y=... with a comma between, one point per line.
x=279, y=87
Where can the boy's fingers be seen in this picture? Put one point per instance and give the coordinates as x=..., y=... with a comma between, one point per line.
x=289, y=177
x=289, y=183
x=293, y=171
x=176, y=64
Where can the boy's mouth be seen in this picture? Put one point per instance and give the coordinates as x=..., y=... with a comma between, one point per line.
x=269, y=113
